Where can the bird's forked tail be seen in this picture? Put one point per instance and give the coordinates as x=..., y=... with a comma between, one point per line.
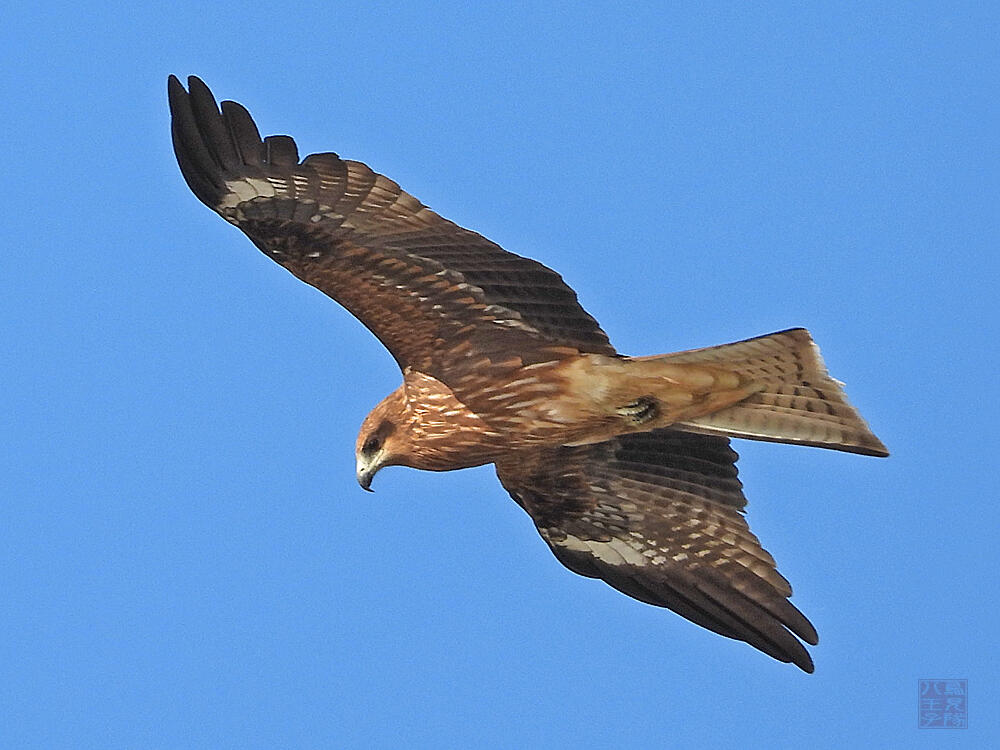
x=794, y=401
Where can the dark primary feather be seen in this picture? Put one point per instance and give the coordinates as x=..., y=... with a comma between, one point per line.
x=421, y=283
x=658, y=516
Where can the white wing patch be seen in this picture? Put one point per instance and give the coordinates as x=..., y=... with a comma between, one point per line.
x=246, y=189
x=613, y=552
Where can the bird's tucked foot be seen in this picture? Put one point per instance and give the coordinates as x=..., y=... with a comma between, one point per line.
x=641, y=410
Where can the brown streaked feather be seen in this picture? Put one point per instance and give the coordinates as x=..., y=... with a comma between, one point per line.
x=421, y=283
x=657, y=515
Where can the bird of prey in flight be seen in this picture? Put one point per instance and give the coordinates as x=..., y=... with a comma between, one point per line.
x=623, y=463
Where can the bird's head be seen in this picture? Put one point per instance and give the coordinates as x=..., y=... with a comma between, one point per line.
x=378, y=438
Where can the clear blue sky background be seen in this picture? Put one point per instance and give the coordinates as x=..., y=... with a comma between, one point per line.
x=185, y=558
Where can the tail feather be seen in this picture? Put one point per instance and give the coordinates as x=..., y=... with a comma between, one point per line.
x=795, y=399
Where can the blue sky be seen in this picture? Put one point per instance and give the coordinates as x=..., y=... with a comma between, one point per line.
x=185, y=558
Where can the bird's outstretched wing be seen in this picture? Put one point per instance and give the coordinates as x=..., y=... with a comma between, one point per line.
x=434, y=293
x=658, y=516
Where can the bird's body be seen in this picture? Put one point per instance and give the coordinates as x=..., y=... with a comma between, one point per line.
x=573, y=399
x=623, y=463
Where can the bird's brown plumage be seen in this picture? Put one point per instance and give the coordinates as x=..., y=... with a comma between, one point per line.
x=502, y=365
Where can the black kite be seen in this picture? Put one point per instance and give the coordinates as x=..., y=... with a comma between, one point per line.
x=623, y=463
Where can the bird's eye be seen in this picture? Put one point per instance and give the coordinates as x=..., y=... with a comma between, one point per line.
x=371, y=445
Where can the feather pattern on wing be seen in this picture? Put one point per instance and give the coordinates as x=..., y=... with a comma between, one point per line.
x=422, y=284
x=658, y=516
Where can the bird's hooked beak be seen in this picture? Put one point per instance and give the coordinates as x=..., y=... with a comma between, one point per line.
x=365, y=474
